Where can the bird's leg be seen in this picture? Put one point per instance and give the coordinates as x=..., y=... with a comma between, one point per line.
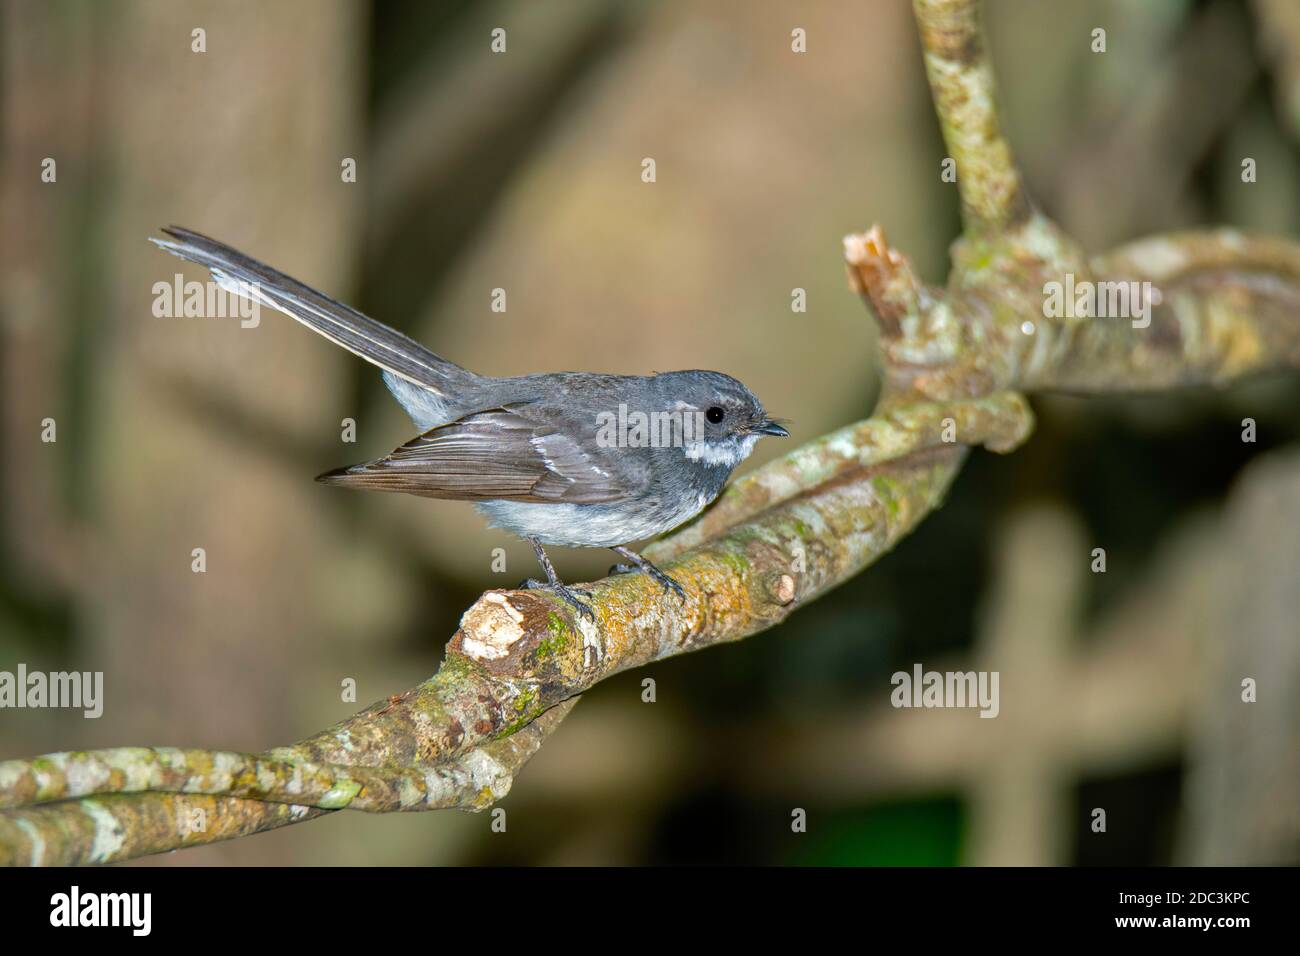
x=553, y=583
x=641, y=564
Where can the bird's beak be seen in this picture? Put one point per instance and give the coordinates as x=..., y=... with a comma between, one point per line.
x=769, y=427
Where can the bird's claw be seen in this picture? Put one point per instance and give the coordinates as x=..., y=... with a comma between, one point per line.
x=666, y=582
x=567, y=594
x=669, y=584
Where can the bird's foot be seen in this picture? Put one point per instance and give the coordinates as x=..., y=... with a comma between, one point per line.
x=564, y=592
x=666, y=582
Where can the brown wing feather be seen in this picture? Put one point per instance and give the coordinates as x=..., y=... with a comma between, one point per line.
x=495, y=454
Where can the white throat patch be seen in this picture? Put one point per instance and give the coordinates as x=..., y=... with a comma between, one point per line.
x=729, y=451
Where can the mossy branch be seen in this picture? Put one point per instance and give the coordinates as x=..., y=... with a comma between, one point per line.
x=956, y=361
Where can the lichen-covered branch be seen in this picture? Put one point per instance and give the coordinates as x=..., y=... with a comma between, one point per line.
x=1020, y=313
x=1229, y=306
x=196, y=797
x=961, y=84
x=472, y=781
x=125, y=826
x=956, y=361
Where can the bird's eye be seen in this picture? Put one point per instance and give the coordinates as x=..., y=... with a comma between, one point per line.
x=715, y=414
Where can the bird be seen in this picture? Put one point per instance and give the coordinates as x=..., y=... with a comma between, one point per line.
x=568, y=459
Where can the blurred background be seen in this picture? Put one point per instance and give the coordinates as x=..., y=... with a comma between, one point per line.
x=522, y=171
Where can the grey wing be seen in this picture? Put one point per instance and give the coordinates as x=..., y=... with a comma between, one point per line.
x=341, y=324
x=496, y=454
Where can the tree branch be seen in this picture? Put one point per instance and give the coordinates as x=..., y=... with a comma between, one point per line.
x=154, y=800
x=961, y=84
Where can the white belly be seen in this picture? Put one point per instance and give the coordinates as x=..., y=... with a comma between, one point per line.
x=586, y=526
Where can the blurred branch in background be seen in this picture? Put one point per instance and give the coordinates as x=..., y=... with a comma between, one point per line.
x=1147, y=147
x=466, y=115
x=1223, y=308
x=430, y=128
x=1279, y=35
x=1242, y=805
x=1136, y=696
x=1130, y=685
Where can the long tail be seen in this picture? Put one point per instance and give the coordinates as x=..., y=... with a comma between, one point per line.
x=341, y=324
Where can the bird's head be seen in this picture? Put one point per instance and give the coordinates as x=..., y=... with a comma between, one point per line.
x=727, y=418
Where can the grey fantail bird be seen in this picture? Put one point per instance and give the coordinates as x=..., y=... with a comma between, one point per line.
x=576, y=459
